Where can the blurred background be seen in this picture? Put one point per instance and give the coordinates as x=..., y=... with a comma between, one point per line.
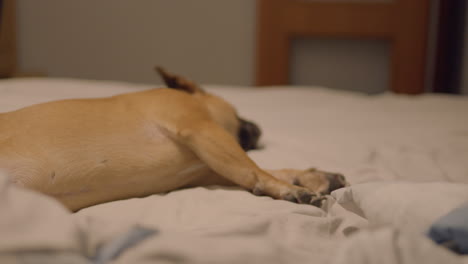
x=212, y=41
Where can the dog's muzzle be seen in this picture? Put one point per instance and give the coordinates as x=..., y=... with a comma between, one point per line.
x=248, y=135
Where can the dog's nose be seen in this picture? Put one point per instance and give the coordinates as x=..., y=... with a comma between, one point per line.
x=336, y=181
x=249, y=134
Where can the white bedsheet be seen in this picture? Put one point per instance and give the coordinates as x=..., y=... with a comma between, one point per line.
x=407, y=158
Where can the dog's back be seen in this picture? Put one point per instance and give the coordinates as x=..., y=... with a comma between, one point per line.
x=97, y=146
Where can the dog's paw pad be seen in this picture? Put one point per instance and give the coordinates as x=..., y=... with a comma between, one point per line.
x=335, y=181
x=304, y=197
x=301, y=196
x=318, y=201
x=258, y=191
x=290, y=198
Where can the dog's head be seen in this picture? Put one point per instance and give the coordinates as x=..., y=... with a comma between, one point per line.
x=246, y=132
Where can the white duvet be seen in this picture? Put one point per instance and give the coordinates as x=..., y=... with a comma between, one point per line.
x=406, y=157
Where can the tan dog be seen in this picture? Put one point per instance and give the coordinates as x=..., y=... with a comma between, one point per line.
x=89, y=151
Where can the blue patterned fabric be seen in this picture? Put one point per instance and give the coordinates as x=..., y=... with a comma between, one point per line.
x=114, y=248
x=451, y=230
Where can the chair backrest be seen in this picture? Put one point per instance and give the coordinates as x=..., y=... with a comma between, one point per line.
x=404, y=23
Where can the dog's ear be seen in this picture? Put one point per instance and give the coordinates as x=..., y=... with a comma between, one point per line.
x=177, y=82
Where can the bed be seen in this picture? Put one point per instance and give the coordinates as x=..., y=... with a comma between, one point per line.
x=405, y=156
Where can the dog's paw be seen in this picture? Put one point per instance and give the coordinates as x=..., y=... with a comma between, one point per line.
x=295, y=194
x=303, y=196
x=335, y=181
x=320, y=181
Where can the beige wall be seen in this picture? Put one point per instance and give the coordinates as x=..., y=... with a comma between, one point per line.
x=211, y=41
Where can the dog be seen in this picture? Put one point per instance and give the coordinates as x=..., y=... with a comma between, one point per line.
x=85, y=152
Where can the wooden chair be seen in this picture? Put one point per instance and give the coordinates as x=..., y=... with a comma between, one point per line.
x=402, y=22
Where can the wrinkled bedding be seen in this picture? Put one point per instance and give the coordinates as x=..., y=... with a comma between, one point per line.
x=406, y=157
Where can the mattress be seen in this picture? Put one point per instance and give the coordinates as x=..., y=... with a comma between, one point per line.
x=406, y=158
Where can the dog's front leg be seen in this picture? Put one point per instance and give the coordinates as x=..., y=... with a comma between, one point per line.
x=221, y=152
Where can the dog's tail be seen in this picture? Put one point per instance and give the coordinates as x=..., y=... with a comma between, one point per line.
x=178, y=82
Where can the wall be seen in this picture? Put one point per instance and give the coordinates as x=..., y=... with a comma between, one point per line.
x=211, y=41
